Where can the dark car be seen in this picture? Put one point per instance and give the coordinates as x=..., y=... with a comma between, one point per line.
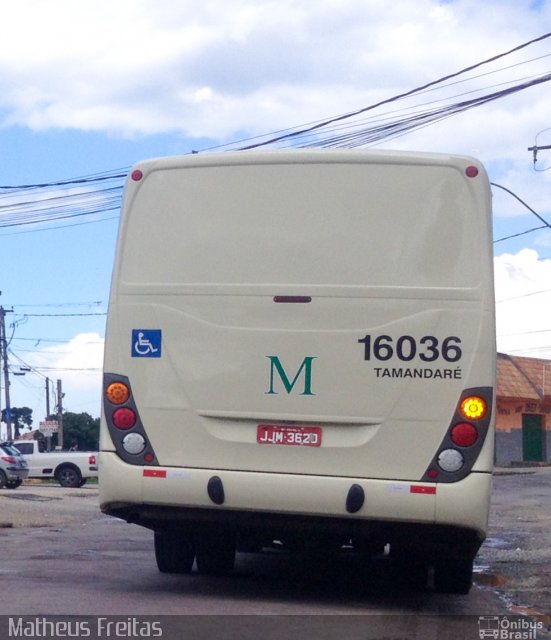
x=13, y=466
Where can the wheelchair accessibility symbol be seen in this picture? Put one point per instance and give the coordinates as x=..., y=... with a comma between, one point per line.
x=146, y=343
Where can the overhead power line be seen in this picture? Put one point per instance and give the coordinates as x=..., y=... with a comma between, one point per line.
x=363, y=136
x=112, y=174
x=77, y=197
x=516, y=235
x=400, y=96
x=520, y=233
x=62, y=315
x=522, y=202
x=58, y=206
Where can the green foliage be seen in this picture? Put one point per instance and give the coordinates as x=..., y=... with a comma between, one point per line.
x=80, y=430
x=21, y=417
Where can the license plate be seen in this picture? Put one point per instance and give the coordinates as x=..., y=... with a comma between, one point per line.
x=294, y=436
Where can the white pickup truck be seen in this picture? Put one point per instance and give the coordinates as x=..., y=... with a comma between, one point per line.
x=69, y=468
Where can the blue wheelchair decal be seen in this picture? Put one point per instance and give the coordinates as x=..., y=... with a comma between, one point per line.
x=146, y=343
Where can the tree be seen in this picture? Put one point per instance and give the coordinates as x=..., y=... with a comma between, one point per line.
x=80, y=430
x=21, y=417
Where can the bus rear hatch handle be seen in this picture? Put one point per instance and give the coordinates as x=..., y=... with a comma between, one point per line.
x=293, y=299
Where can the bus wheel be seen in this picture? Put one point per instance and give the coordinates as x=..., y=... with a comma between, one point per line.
x=413, y=574
x=411, y=570
x=173, y=552
x=453, y=574
x=215, y=552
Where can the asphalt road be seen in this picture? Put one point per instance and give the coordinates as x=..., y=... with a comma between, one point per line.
x=516, y=557
x=62, y=557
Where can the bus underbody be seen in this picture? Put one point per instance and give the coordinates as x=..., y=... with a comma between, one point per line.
x=211, y=538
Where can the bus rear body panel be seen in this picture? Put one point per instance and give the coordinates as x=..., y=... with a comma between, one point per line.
x=296, y=324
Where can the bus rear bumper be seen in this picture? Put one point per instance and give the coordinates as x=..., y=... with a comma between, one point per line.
x=158, y=496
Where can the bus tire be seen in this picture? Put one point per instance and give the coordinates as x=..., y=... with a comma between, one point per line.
x=453, y=574
x=411, y=569
x=215, y=552
x=412, y=574
x=174, y=552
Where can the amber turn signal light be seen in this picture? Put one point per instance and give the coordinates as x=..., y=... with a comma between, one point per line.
x=117, y=393
x=473, y=408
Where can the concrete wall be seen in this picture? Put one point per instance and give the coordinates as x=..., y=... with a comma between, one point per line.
x=509, y=429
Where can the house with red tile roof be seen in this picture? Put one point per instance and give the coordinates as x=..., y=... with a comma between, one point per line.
x=523, y=410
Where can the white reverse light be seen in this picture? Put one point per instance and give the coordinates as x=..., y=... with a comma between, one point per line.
x=133, y=443
x=450, y=460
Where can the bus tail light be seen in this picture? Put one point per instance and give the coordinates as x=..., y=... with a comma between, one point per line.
x=464, y=434
x=117, y=393
x=124, y=418
x=123, y=422
x=464, y=437
x=451, y=460
x=473, y=408
x=133, y=443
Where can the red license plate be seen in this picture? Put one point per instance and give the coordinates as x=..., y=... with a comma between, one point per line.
x=295, y=436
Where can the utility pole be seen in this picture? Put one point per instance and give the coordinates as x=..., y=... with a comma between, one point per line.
x=59, y=414
x=4, y=357
x=1, y=354
x=48, y=437
x=47, y=398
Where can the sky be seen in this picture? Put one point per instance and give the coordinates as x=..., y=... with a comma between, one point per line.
x=90, y=88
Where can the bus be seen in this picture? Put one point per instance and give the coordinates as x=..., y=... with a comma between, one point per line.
x=300, y=351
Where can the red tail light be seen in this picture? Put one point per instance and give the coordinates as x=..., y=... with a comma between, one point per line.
x=464, y=434
x=124, y=418
x=9, y=459
x=91, y=460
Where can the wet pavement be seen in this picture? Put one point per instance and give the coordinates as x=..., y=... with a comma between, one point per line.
x=65, y=556
x=516, y=557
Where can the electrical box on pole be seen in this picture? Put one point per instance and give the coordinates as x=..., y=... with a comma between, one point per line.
x=535, y=150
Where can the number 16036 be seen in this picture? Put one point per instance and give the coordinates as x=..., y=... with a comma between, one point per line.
x=406, y=348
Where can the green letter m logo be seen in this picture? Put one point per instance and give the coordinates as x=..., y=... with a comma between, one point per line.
x=277, y=367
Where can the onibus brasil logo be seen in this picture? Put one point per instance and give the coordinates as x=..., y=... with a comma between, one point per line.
x=508, y=627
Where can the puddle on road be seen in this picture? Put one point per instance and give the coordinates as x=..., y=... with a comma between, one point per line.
x=531, y=612
x=497, y=543
x=30, y=496
x=483, y=578
x=489, y=579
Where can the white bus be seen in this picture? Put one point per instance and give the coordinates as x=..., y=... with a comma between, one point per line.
x=300, y=348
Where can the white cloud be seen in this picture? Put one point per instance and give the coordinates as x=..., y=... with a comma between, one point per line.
x=220, y=68
x=78, y=365
x=523, y=304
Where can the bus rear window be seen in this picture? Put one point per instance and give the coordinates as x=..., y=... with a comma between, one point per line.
x=306, y=224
